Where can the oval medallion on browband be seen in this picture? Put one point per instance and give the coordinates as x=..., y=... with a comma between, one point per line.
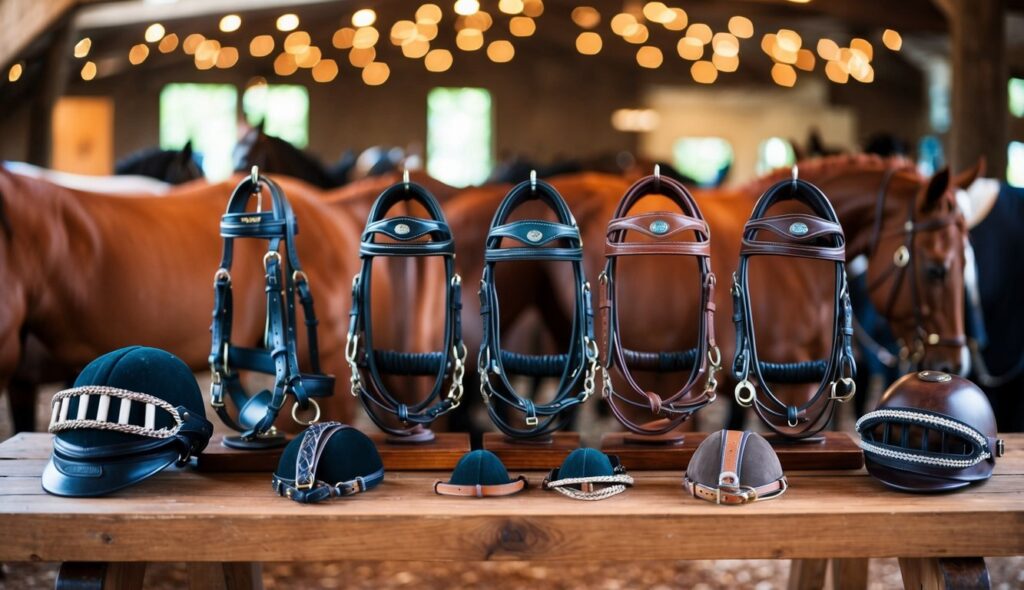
x=407, y=236
x=664, y=234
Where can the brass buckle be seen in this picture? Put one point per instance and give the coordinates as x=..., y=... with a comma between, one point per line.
x=532, y=421
x=847, y=381
x=316, y=413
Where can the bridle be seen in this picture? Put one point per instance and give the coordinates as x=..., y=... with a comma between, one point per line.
x=903, y=265
x=817, y=237
x=576, y=369
x=278, y=355
x=368, y=364
x=666, y=229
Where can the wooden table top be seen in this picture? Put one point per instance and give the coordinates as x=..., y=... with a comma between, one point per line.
x=184, y=515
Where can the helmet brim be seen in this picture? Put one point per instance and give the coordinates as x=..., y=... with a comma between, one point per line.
x=65, y=476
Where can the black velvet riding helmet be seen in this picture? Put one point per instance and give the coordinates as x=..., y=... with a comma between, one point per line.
x=131, y=413
x=584, y=468
x=480, y=474
x=328, y=459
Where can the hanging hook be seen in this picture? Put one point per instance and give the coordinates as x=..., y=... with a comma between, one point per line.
x=255, y=177
x=657, y=176
x=405, y=178
x=796, y=174
x=533, y=180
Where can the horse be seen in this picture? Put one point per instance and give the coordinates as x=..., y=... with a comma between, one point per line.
x=87, y=273
x=170, y=166
x=112, y=185
x=274, y=155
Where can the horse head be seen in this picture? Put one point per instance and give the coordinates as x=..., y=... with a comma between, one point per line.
x=277, y=156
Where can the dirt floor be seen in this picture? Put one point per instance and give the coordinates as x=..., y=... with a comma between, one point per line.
x=1006, y=573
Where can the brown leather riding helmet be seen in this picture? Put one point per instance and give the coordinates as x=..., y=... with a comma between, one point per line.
x=931, y=432
x=733, y=467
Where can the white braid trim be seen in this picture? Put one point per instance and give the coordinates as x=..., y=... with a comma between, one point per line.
x=938, y=421
x=923, y=459
x=57, y=425
x=560, y=486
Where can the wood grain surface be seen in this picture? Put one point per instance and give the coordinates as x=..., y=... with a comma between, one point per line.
x=185, y=515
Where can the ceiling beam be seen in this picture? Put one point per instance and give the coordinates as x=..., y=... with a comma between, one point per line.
x=24, y=21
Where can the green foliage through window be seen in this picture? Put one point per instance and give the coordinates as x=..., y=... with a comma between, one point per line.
x=773, y=153
x=459, y=136
x=1015, y=165
x=704, y=159
x=205, y=114
x=1017, y=97
x=283, y=109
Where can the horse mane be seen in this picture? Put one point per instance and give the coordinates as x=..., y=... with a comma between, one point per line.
x=827, y=165
x=144, y=161
x=5, y=222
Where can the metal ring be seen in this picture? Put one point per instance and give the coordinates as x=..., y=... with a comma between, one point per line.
x=901, y=257
x=271, y=254
x=748, y=400
x=716, y=359
x=298, y=276
x=848, y=382
x=456, y=280
x=222, y=273
x=316, y=413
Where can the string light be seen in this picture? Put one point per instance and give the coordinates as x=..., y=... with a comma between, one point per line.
x=522, y=26
x=699, y=31
x=417, y=48
x=679, y=20
x=835, y=72
x=227, y=57
x=466, y=7
x=325, y=71
x=365, y=37
x=725, y=44
x=402, y=30
x=725, y=64
x=427, y=31
x=364, y=17
x=828, y=49
x=343, y=38
x=308, y=58
x=138, y=54
x=649, y=57
x=168, y=44
x=589, y=43
x=82, y=47
x=658, y=12
x=500, y=51
x=621, y=23
x=88, y=71
x=690, y=48
x=703, y=72
x=297, y=42
x=784, y=75
x=586, y=17
x=284, y=64
x=741, y=27
x=892, y=40
x=429, y=13
x=376, y=73
x=510, y=7
x=438, y=60
x=287, y=22
x=261, y=46
x=154, y=32
x=15, y=72
x=469, y=39
x=362, y=57
x=805, y=60
x=638, y=35
x=863, y=46
x=230, y=23
x=191, y=43
x=533, y=8
x=479, y=20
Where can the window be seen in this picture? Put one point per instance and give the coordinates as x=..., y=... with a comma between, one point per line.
x=283, y=109
x=930, y=156
x=773, y=153
x=204, y=113
x=1017, y=97
x=1015, y=165
x=459, y=135
x=704, y=159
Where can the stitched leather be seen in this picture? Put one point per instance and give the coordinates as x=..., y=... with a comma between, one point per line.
x=481, y=491
x=306, y=488
x=666, y=229
x=368, y=364
x=575, y=370
x=820, y=237
x=731, y=488
x=279, y=355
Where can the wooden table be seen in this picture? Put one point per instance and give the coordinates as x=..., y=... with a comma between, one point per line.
x=224, y=524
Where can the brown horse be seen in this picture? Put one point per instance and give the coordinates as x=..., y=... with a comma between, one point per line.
x=85, y=273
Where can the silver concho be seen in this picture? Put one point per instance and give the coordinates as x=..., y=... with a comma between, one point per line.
x=402, y=229
x=658, y=226
x=798, y=229
x=933, y=376
x=534, y=235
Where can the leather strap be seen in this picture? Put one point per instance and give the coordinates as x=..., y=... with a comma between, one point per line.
x=576, y=370
x=820, y=237
x=369, y=365
x=666, y=234
x=481, y=491
x=306, y=488
x=730, y=488
x=284, y=282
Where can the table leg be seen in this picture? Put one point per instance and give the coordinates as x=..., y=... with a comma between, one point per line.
x=849, y=574
x=101, y=576
x=951, y=573
x=807, y=574
x=225, y=576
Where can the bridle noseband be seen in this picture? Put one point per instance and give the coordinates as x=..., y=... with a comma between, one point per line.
x=368, y=364
x=817, y=237
x=665, y=228
x=903, y=264
x=278, y=355
x=577, y=369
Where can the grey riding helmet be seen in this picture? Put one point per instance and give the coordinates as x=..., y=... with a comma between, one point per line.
x=733, y=467
x=131, y=413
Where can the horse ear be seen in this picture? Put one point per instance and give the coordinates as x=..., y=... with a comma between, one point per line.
x=259, y=126
x=937, y=187
x=967, y=177
x=186, y=151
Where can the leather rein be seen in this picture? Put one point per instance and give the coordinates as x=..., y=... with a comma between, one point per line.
x=665, y=229
x=903, y=265
x=284, y=281
x=368, y=365
x=576, y=369
x=797, y=235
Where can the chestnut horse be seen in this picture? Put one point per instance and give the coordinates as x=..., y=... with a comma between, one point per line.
x=86, y=273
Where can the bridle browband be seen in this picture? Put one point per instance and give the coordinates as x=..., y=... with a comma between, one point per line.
x=903, y=260
x=367, y=364
x=576, y=367
x=817, y=237
x=278, y=355
x=664, y=228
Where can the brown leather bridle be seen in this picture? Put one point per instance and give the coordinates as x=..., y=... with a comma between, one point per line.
x=903, y=264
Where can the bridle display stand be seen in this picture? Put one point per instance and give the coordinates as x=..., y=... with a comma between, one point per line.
x=531, y=435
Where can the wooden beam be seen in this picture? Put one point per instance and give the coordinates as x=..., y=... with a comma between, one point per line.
x=980, y=106
x=51, y=87
x=24, y=21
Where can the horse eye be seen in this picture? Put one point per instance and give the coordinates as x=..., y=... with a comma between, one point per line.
x=936, y=272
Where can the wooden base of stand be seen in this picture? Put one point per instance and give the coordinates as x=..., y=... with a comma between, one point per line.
x=529, y=455
x=831, y=450
x=440, y=454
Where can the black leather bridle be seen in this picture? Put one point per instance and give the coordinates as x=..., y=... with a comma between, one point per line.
x=904, y=266
x=820, y=237
x=576, y=370
x=368, y=364
x=278, y=355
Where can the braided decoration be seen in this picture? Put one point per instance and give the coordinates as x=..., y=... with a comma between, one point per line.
x=102, y=390
x=560, y=485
